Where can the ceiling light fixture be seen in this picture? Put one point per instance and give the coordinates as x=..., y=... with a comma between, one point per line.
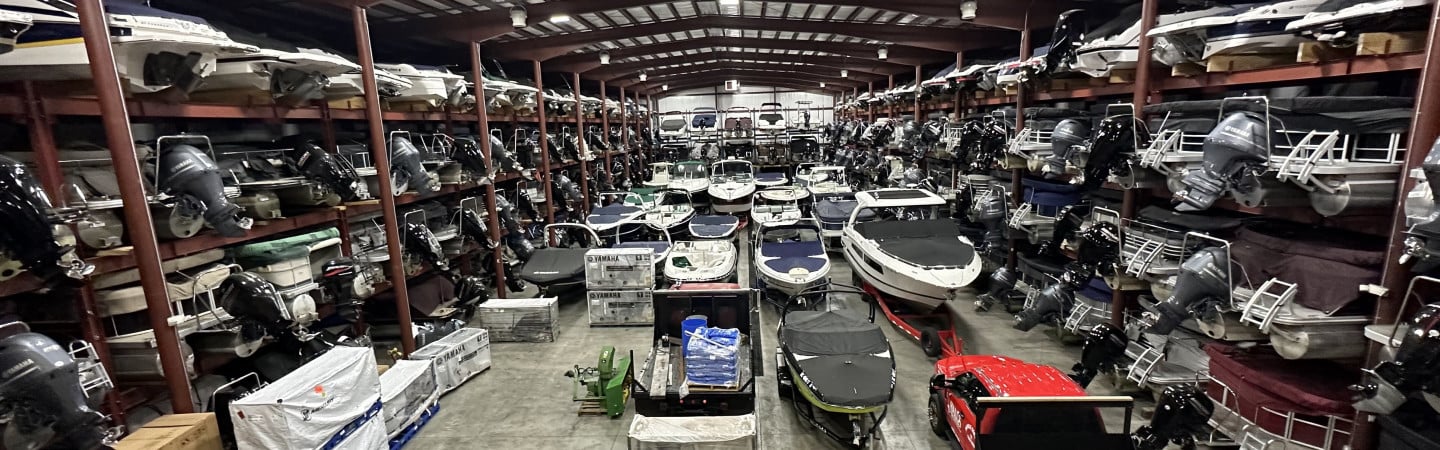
x=822, y=84
x=664, y=87
x=643, y=76
x=729, y=2
x=968, y=8
x=517, y=17
x=844, y=73
x=559, y=18
x=883, y=53
x=604, y=58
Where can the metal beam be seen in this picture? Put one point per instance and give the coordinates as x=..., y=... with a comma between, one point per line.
x=718, y=80
x=899, y=54
x=483, y=135
x=750, y=74
x=486, y=25
x=859, y=69
x=809, y=73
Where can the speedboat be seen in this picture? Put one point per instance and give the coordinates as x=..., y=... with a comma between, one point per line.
x=659, y=175
x=710, y=261
x=732, y=183
x=833, y=212
x=1117, y=47
x=428, y=84
x=673, y=129
x=655, y=239
x=154, y=49
x=778, y=204
x=1343, y=20
x=822, y=180
x=617, y=219
x=672, y=211
x=910, y=252
x=352, y=83
x=770, y=179
x=714, y=227
x=560, y=267
x=289, y=74
x=691, y=176
x=12, y=25
x=771, y=119
x=836, y=369
x=790, y=256
x=1254, y=28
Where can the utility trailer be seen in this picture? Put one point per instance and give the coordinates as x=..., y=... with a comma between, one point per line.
x=661, y=388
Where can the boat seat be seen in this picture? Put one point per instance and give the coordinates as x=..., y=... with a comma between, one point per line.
x=549, y=265
x=713, y=225
x=612, y=213
x=783, y=256
x=840, y=357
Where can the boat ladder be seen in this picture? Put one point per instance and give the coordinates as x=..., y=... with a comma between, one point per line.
x=1144, y=364
x=1266, y=303
x=1077, y=316
x=1023, y=137
x=1299, y=166
x=1017, y=220
x=93, y=377
x=1147, y=252
x=1165, y=142
x=1255, y=441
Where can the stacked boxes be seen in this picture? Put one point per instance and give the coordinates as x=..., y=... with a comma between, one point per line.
x=618, y=282
x=521, y=319
x=407, y=389
x=457, y=357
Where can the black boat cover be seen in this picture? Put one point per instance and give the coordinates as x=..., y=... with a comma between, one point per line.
x=925, y=243
x=839, y=211
x=555, y=265
x=844, y=361
x=1210, y=222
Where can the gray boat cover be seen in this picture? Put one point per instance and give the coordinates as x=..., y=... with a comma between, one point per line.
x=845, y=361
x=555, y=265
x=839, y=211
x=925, y=243
x=273, y=251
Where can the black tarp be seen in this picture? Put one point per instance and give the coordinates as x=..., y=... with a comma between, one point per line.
x=843, y=360
x=554, y=265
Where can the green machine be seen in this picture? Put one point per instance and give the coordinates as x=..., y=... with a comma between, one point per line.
x=604, y=389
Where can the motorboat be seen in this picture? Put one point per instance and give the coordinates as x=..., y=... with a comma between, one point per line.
x=659, y=175
x=1116, y=47
x=154, y=49
x=778, y=204
x=790, y=256
x=1341, y=21
x=290, y=75
x=560, y=267
x=655, y=239
x=770, y=179
x=737, y=133
x=674, y=128
x=433, y=85
x=732, y=183
x=714, y=227
x=822, y=180
x=12, y=25
x=691, y=177
x=708, y=261
x=1246, y=29
x=909, y=252
x=672, y=211
x=836, y=369
x=352, y=83
x=770, y=119
x=616, y=219
x=833, y=212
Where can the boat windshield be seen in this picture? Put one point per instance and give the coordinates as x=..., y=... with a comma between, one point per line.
x=771, y=118
x=738, y=170
x=687, y=171
x=674, y=198
x=780, y=235
x=672, y=125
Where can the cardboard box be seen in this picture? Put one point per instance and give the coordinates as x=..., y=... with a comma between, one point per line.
x=175, y=432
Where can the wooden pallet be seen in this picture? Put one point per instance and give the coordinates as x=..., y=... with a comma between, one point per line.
x=1121, y=76
x=1236, y=63
x=591, y=408
x=1370, y=44
x=348, y=103
x=1187, y=70
x=412, y=107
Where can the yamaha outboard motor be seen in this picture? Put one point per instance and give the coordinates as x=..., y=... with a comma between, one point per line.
x=405, y=167
x=1116, y=136
x=991, y=215
x=1069, y=34
x=190, y=174
x=421, y=242
x=472, y=226
x=1182, y=413
x=504, y=159
x=467, y=153
x=1067, y=140
x=1097, y=245
x=28, y=236
x=1234, y=150
x=1070, y=219
x=1048, y=305
x=337, y=277
x=256, y=304
x=1422, y=239
x=323, y=167
x=40, y=389
x=1104, y=345
x=1416, y=366
x=1002, y=282
x=1202, y=281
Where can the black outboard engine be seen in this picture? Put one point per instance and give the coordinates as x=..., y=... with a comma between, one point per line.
x=468, y=154
x=1069, y=34
x=1104, y=345
x=1416, y=366
x=337, y=277
x=405, y=167
x=1002, y=282
x=1052, y=301
x=421, y=242
x=1097, y=245
x=1202, y=281
x=1067, y=140
x=992, y=212
x=1115, y=137
x=323, y=167
x=256, y=304
x=191, y=175
x=1234, y=150
x=1182, y=412
x=40, y=389
x=504, y=160
x=28, y=236
x=472, y=226
x=1068, y=222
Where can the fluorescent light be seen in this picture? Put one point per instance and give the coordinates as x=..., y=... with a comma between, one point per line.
x=822, y=84
x=664, y=87
x=559, y=18
x=643, y=76
x=517, y=17
x=883, y=53
x=968, y=8
x=729, y=2
x=604, y=58
x=844, y=73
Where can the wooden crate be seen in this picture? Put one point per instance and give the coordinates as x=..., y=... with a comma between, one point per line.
x=1318, y=52
x=348, y=103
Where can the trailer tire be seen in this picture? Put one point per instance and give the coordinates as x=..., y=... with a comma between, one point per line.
x=930, y=341
x=936, y=415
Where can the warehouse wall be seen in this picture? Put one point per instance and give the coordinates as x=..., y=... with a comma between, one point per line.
x=749, y=97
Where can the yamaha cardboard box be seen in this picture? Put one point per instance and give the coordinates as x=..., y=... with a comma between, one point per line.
x=457, y=358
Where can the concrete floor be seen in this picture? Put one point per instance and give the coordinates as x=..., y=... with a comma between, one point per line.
x=524, y=401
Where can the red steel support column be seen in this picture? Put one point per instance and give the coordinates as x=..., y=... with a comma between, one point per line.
x=959, y=97
x=870, y=105
x=605, y=123
x=580, y=134
x=625, y=138
x=95, y=29
x=639, y=131
x=381, y=155
x=1017, y=193
x=918, y=118
x=483, y=122
x=543, y=175
x=1141, y=96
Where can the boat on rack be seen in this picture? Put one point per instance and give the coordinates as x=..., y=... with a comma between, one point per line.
x=923, y=261
x=1246, y=29
x=560, y=267
x=12, y=25
x=732, y=183
x=290, y=74
x=155, y=50
x=709, y=261
x=433, y=85
x=790, y=256
x=778, y=204
x=1116, y=47
x=672, y=211
x=1342, y=21
x=352, y=83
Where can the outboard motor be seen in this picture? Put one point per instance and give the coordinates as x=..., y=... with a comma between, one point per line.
x=1002, y=282
x=323, y=167
x=1182, y=412
x=1069, y=34
x=1234, y=150
x=28, y=236
x=1422, y=239
x=337, y=277
x=406, y=169
x=991, y=215
x=468, y=154
x=1097, y=245
x=1416, y=366
x=1067, y=140
x=472, y=226
x=1104, y=345
x=1116, y=136
x=504, y=159
x=421, y=242
x=257, y=305
x=1070, y=219
x=190, y=174
x=1052, y=301
x=1202, y=281
x=40, y=387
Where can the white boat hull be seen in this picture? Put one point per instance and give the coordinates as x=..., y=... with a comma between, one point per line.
x=66, y=59
x=705, y=261
x=731, y=198
x=923, y=289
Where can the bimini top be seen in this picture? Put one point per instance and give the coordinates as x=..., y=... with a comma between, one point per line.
x=889, y=198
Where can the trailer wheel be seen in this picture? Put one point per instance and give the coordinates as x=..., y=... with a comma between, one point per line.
x=930, y=341
x=936, y=413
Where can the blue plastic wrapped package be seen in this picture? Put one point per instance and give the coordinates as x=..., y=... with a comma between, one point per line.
x=712, y=357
